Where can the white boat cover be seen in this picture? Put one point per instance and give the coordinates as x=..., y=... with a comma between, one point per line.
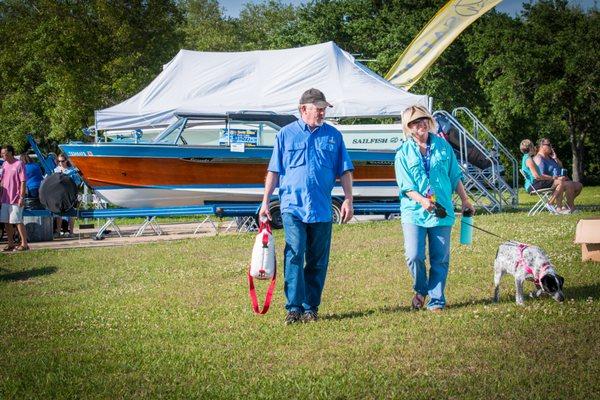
x=264, y=80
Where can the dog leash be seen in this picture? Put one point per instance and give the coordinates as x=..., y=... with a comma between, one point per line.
x=511, y=241
x=488, y=232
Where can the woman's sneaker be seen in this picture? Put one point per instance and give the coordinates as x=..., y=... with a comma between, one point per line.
x=418, y=301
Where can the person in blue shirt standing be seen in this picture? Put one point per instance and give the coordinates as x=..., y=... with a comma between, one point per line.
x=308, y=156
x=427, y=174
x=33, y=174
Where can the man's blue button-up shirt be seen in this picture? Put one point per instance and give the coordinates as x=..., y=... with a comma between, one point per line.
x=308, y=164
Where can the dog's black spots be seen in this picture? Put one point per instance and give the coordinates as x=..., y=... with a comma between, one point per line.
x=550, y=284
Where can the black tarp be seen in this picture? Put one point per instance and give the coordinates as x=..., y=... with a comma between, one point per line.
x=58, y=193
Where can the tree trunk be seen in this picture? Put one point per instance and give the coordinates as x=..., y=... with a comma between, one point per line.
x=574, y=153
x=576, y=149
x=580, y=172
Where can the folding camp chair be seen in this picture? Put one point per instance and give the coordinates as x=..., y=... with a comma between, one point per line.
x=543, y=199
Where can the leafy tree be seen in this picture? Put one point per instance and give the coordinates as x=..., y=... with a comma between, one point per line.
x=59, y=61
x=541, y=75
x=206, y=28
x=267, y=25
x=349, y=23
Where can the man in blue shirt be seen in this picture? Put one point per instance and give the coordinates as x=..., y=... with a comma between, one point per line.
x=308, y=156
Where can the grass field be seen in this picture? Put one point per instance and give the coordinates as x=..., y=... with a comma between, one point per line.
x=173, y=320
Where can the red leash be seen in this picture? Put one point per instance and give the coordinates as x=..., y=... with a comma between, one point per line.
x=268, y=297
x=264, y=226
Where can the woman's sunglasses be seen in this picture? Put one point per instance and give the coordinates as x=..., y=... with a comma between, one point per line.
x=418, y=121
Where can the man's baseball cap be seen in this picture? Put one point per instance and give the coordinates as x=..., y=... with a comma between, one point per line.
x=316, y=97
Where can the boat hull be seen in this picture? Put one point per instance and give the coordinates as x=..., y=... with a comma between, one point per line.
x=160, y=176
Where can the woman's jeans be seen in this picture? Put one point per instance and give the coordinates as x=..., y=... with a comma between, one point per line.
x=439, y=259
x=310, y=242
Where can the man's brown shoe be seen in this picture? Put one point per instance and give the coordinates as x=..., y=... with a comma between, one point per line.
x=292, y=317
x=310, y=316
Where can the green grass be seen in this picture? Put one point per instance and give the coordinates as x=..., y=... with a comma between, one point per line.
x=173, y=320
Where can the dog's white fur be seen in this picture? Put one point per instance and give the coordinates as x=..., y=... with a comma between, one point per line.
x=508, y=261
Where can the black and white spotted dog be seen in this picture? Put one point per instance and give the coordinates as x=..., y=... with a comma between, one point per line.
x=527, y=262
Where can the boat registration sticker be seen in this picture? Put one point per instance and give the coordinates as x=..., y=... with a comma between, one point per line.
x=238, y=147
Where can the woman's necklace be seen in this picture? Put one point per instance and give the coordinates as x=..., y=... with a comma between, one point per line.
x=422, y=144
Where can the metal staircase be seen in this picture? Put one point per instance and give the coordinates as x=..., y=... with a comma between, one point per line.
x=506, y=181
x=486, y=187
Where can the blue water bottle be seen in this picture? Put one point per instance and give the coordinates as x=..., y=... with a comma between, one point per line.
x=466, y=227
x=556, y=172
x=563, y=172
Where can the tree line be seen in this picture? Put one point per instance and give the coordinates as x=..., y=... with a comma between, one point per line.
x=529, y=76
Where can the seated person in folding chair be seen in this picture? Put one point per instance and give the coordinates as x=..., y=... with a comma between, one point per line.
x=549, y=164
x=534, y=179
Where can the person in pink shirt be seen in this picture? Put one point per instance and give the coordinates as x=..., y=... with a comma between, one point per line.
x=12, y=183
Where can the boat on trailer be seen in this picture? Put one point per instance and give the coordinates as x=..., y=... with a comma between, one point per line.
x=216, y=158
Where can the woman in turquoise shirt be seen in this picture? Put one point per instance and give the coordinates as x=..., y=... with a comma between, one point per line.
x=427, y=173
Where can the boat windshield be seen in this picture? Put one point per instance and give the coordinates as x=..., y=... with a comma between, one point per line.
x=170, y=135
x=250, y=133
x=219, y=133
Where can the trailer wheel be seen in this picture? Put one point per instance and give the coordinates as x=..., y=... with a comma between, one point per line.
x=276, y=220
x=336, y=212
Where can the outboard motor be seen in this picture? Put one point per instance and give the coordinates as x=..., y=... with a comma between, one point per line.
x=58, y=193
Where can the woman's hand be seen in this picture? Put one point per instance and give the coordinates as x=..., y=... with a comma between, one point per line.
x=466, y=205
x=427, y=204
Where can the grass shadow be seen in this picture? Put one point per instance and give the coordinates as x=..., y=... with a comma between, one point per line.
x=406, y=309
x=30, y=273
x=485, y=301
x=582, y=292
x=364, y=313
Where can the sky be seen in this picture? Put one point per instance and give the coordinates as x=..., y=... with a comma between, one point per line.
x=512, y=7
